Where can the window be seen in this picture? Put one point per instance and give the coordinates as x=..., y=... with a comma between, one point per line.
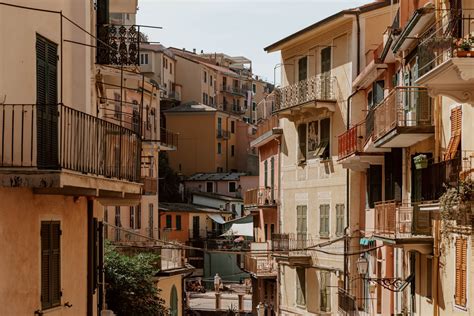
x=210, y=80
x=205, y=98
x=219, y=124
x=460, y=297
x=209, y=187
x=232, y=187
x=254, y=106
x=302, y=143
x=301, y=226
x=117, y=105
x=232, y=127
x=150, y=219
x=265, y=174
x=254, y=88
x=301, y=287
x=324, y=220
x=232, y=150
x=178, y=222
x=302, y=68
x=211, y=100
x=50, y=264
x=205, y=77
x=453, y=146
x=378, y=91
x=139, y=217
x=171, y=68
x=143, y=59
x=117, y=216
x=106, y=214
x=132, y=217
x=233, y=209
x=374, y=185
x=429, y=279
x=169, y=222
x=325, y=291
x=219, y=148
x=339, y=219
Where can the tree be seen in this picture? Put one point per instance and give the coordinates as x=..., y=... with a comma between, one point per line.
x=130, y=286
x=169, y=180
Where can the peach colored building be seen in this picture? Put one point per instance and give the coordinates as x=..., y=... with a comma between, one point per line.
x=230, y=184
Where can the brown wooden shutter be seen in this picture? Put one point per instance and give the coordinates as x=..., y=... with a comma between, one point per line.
x=456, y=119
x=461, y=272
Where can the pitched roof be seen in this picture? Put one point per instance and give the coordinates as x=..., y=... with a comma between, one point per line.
x=188, y=207
x=221, y=176
x=217, y=196
x=158, y=48
x=361, y=9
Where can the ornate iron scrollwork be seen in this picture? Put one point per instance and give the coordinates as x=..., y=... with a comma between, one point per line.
x=118, y=45
x=392, y=284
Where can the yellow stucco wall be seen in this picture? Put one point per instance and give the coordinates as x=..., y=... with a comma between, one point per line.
x=165, y=284
x=22, y=213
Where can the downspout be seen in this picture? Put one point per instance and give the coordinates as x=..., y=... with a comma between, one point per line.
x=348, y=116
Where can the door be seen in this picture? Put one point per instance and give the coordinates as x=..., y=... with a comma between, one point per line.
x=196, y=227
x=325, y=73
x=46, y=100
x=302, y=76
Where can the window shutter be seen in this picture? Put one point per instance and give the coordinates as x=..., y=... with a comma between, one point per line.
x=55, y=264
x=302, y=142
x=45, y=259
x=50, y=264
x=461, y=272
x=456, y=119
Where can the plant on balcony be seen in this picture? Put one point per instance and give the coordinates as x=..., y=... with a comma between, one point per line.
x=457, y=203
x=464, y=47
x=421, y=161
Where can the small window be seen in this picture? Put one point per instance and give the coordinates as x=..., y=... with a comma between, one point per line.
x=205, y=77
x=232, y=187
x=219, y=148
x=139, y=217
x=169, y=222
x=210, y=80
x=232, y=150
x=178, y=222
x=50, y=264
x=254, y=88
x=171, y=68
x=325, y=291
x=117, y=217
x=254, y=106
x=209, y=187
x=132, y=217
x=232, y=127
x=233, y=209
x=324, y=220
x=143, y=59
x=106, y=214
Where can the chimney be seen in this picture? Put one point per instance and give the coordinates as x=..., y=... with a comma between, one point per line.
x=202, y=51
x=194, y=50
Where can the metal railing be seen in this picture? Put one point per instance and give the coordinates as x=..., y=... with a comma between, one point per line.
x=346, y=302
x=205, y=233
x=55, y=137
x=320, y=87
x=402, y=220
x=443, y=40
x=352, y=141
x=403, y=107
x=223, y=134
x=260, y=197
x=293, y=244
x=175, y=95
x=260, y=265
x=168, y=138
x=233, y=89
x=122, y=44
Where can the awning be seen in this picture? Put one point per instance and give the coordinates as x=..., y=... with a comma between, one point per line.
x=240, y=229
x=366, y=241
x=216, y=218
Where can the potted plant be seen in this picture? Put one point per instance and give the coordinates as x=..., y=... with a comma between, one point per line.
x=464, y=47
x=421, y=161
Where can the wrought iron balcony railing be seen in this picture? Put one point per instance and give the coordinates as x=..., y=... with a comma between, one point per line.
x=233, y=89
x=168, y=138
x=261, y=197
x=260, y=265
x=346, y=302
x=403, y=107
x=320, y=87
x=56, y=137
x=352, y=141
x=223, y=134
x=122, y=45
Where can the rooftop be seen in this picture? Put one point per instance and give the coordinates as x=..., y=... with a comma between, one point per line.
x=188, y=207
x=218, y=196
x=226, y=176
x=192, y=107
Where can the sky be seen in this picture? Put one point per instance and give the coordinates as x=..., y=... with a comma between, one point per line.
x=234, y=27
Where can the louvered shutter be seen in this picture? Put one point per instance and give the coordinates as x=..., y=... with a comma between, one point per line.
x=55, y=264
x=461, y=272
x=456, y=119
x=45, y=259
x=50, y=264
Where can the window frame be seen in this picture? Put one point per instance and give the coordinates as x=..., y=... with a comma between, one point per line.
x=169, y=222
x=178, y=222
x=229, y=187
x=322, y=150
x=207, y=186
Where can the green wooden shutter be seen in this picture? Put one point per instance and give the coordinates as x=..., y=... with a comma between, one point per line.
x=55, y=264
x=50, y=264
x=324, y=220
x=45, y=259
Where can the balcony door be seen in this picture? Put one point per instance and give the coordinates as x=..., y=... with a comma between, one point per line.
x=46, y=100
x=196, y=227
x=302, y=76
x=325, y=72
x=301, y=226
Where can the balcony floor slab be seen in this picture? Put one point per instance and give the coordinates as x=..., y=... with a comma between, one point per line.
x=401, y=137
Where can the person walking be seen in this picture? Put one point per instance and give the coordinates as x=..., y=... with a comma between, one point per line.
x=217, y=282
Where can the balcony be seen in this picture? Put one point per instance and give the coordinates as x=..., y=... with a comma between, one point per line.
x=261, y=197
x=346, y=303
x=317, y=90
x=403, y=118
x=449, y=64
x=267, y=130
x=168, y=140
x=222, y=134
x=57, y=149
x=150, y=185
x=351, y=152
x=240, y=91
x=403, y=222
x=118, y=45
x=259, y=262
x=292, y=248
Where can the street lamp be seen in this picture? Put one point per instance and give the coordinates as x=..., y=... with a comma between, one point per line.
x=362, y=265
